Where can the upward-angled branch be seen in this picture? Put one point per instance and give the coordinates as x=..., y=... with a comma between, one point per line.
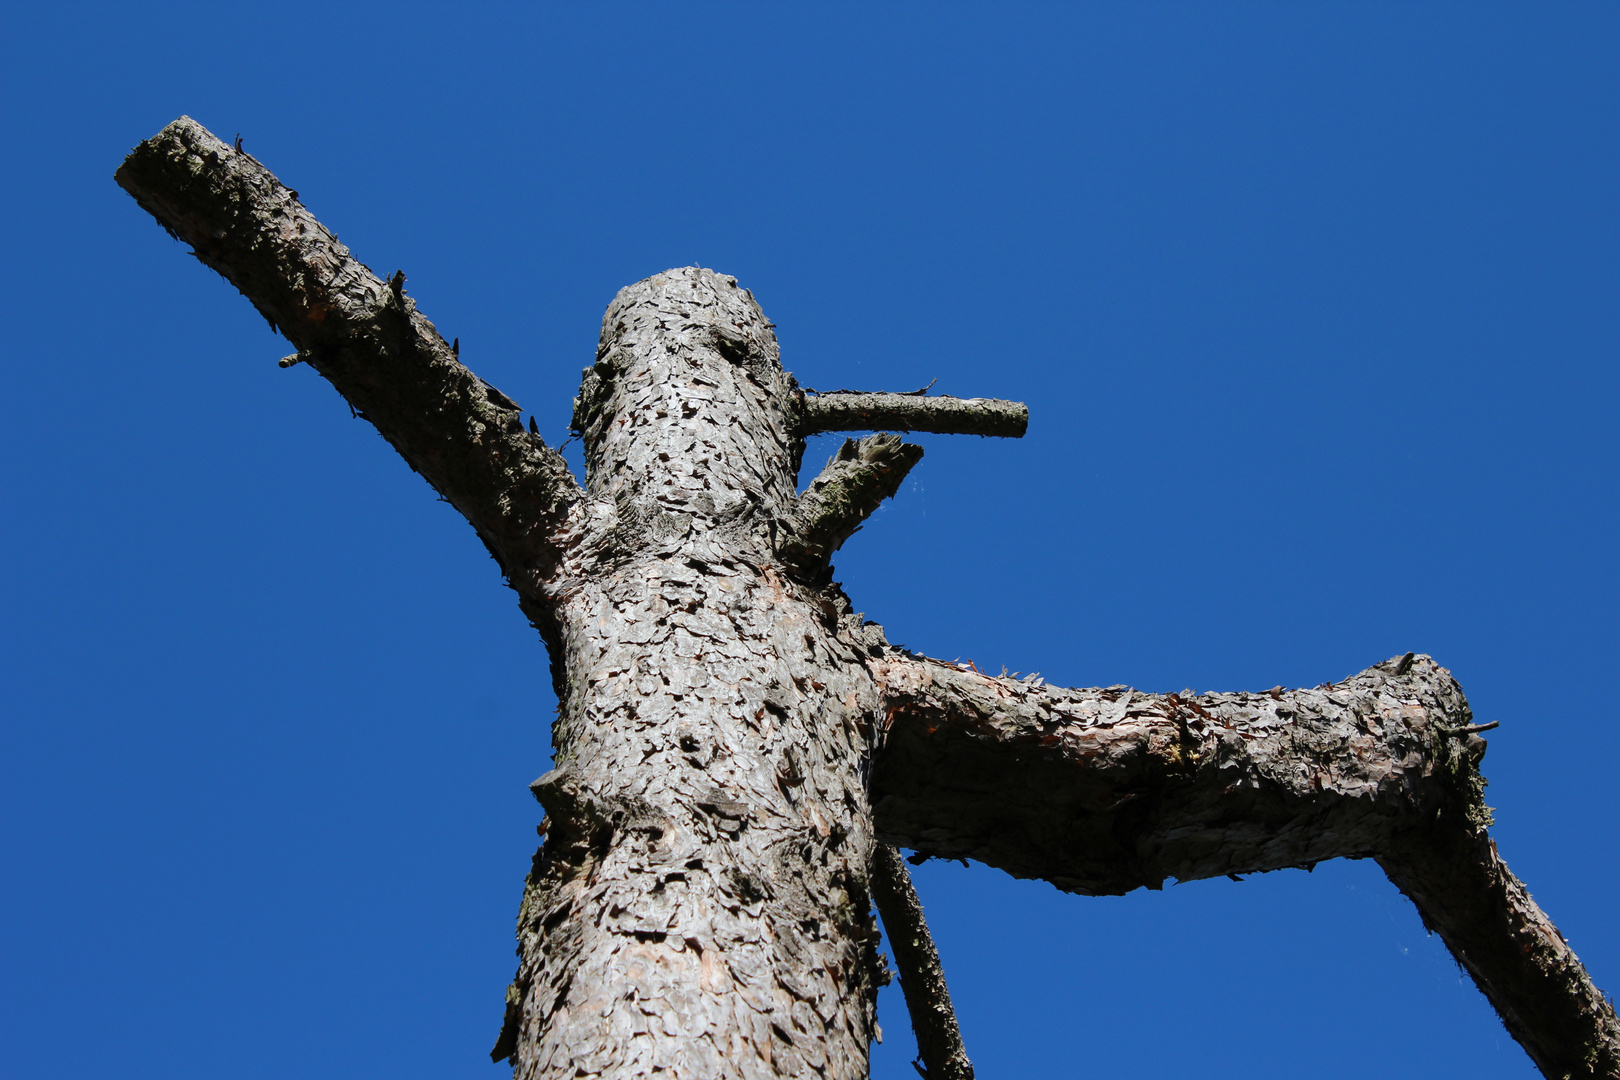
x=1105, y=791
x=854, y=484
x=364, y=335
x=848, y=411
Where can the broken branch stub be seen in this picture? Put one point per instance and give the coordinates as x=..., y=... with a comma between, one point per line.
x=732, y=742
x=847, y=411
x=854, y=484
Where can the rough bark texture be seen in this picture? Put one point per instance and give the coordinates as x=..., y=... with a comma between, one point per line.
x=855, y=482
x=1517, y=957
x=846, y=410
x=922, y=977
x=701, y=906
x=363, y=335
x=1106, y=791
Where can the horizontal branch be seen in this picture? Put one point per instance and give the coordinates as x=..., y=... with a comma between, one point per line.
x=846, y=411
x=364, y=335
x=1105, y=791
x=849, y=490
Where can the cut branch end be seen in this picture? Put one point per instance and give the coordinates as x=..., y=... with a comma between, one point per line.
x=849, y=411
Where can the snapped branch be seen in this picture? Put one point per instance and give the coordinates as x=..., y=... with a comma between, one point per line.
x=1104, y=791
x=854, y=484
x=848, y=411
x=363, y=334
x=922, y=978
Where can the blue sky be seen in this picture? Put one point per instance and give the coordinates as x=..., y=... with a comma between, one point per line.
x=1314, y=307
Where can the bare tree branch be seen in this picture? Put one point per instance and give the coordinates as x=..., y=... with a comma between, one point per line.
x=922, y=978
x=1517, y=957
x=1105, y=791
x=854, y=484
x=849, y=411
x=363, y=335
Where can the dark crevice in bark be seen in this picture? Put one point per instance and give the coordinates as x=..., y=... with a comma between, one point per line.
x=922, y=977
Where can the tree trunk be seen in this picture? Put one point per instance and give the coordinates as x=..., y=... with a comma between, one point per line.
x=1106, y=791
x=702, y=902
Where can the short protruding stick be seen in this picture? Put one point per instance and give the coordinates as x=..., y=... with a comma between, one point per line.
x=854, y=484
x=846, y=411
x=922, y=979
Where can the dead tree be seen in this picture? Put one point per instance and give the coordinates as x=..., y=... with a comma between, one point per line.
x=734, y=748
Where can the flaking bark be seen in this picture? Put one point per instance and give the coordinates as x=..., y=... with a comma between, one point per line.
x=854, y=484
x=700, y=905
x=732, y=741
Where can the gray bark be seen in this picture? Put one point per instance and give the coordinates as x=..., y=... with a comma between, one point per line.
x=363, y=335
x=701, y=903
x=732, y=742
x=1106, y=791
x=855, y=482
